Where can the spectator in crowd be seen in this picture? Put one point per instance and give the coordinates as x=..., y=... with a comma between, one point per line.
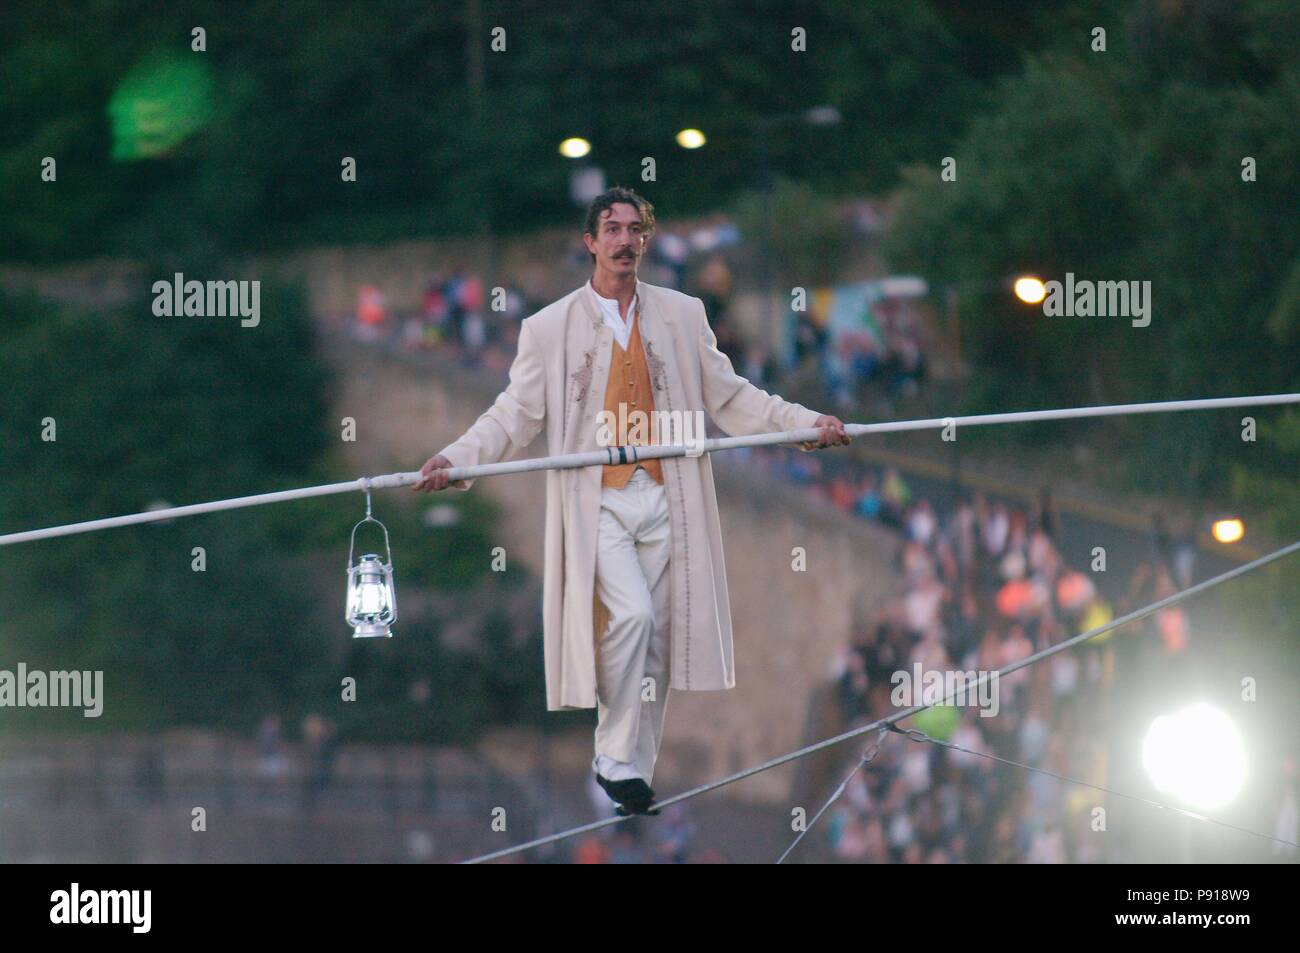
x=319, y=737
x=591, y=850
x=714, y=286
x=673, y=835
x=672, y=249
x=272, y=752
x=895, y=497
x=372, y=312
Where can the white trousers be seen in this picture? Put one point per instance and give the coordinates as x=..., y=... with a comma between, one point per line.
x=633, y=582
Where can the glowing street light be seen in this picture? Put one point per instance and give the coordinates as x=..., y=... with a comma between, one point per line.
x=1228, y=530
x=1197, y=755
x=690, y=138
x=1030, y=289
x=575, y=147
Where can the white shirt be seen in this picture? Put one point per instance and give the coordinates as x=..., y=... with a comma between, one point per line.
x=609, y=310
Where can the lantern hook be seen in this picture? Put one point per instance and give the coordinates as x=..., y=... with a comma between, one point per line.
x=365, y=481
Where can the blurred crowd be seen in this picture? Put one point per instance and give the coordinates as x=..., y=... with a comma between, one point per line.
x=880, y=355
x=461, y=316
x=669, y=838
x=456, y=316
x=983, y=586
x=859, y=344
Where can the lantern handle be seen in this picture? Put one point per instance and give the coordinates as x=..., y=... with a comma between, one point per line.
x=368, y=519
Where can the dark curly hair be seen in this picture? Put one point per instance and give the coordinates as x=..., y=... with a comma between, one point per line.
x=608, y=199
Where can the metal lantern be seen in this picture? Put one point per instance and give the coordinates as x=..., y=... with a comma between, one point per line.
x=372, y=602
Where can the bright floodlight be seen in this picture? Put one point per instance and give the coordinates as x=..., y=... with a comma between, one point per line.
x=1029, y=289
x=690, y=138
x=1197, y=755
x=575, y=147
x=1228, y=531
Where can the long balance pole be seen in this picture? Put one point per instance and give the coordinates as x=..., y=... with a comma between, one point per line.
x=631, y=454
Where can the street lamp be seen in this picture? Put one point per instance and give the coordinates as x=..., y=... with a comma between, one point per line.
x=1029, y=289
x=575, y=147
x=1228, y=530
x=690, y=139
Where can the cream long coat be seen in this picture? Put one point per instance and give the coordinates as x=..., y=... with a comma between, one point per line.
x=558, y=380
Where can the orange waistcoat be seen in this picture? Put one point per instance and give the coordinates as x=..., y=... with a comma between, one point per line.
x=629, y=384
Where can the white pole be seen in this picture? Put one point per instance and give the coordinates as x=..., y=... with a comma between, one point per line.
x=631, y=454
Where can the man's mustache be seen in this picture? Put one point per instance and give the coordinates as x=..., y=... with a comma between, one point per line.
x=626, y=254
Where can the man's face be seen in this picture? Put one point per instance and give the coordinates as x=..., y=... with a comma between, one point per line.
x=619, y=241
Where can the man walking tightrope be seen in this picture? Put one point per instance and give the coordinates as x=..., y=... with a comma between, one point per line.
x=635, y=592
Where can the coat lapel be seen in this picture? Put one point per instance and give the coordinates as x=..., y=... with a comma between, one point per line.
x=657, y=332
x=588, y=347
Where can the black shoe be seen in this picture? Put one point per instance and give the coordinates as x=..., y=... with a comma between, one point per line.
x=640, y=807
x=633, y=796
x=646, y=808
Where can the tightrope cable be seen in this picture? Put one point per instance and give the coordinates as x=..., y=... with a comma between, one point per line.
x=668, y=448
x=868, y=756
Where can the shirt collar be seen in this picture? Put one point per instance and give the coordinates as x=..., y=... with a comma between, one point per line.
x=610, y=305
